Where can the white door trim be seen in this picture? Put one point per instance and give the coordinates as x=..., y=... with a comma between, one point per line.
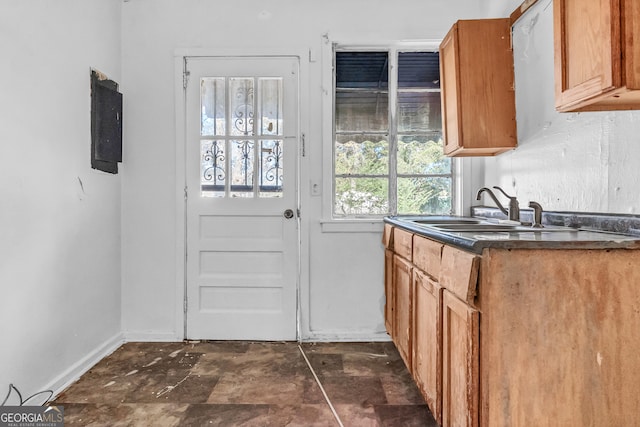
x=304, y=55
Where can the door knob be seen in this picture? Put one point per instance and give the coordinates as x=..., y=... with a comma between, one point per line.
x=288, y=213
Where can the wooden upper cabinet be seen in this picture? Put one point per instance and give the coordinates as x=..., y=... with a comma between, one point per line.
x=597, y=54
x=477, y=82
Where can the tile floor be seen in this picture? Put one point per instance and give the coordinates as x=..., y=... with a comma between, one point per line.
x=236, y=383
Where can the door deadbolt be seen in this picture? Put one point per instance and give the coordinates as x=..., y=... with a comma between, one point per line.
x=288, y=213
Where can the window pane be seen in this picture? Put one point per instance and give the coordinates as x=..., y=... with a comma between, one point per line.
x=212, y=95
x=212, y=168
x=419, y=70
x=422, y=155
x=364, y=136
x=429, y=195
x=362, y=111
x=241, y=92
x=419, y=112
x=362, y=70
x=270, y=106
x=361, y=196
x=361, y=155
x=271, y=168
x=242, y=168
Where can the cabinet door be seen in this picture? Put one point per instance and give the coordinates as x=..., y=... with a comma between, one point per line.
x=388, y=291
x=460, y=362
x=478, y=96
x=427, y=341
x=587, y=50
x=402, y=307
x=450, y=82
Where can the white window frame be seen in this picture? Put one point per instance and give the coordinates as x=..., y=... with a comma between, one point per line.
x=462, y=169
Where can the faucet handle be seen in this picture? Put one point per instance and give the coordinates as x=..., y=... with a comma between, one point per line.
x=537, y=214
x=514, y=206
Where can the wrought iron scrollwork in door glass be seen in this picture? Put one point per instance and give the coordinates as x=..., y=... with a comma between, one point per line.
x=238, y=160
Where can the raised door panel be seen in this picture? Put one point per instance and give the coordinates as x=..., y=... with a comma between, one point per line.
x=427, y=341
x=460, y=362
x=388, y=291
x=587, y=50
x=402, y=284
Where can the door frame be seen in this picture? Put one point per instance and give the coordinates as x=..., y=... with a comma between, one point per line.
x=303, y=55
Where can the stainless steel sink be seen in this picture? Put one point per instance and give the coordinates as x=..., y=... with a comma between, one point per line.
x=454, y=224
x=476, y=227
x=497, y=228
x=445, y=220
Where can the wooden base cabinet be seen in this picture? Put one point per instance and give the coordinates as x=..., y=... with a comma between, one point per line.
x=559, y=338
x=519, y=337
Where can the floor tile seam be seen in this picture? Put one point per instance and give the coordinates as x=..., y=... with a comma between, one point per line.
x=232, y=375
x=324, y=393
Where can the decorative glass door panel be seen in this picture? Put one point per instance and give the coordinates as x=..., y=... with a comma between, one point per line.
x=242, y=139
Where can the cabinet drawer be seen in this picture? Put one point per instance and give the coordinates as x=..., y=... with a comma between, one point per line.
x=459, y=273
x=387, y=236
x=427, y=255
x=403, y=243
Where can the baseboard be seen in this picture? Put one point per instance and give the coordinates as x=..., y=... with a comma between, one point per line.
x=68, y=377
x=345, y=336
x=150, y=336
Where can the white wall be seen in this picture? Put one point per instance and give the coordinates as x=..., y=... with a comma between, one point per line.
x=565, y=161
x=342, y=284
x=59, y=219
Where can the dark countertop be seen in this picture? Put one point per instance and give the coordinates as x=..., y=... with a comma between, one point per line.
x=561, y=237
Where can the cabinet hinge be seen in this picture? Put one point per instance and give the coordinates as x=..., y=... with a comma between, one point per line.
x=185, y=78
x=186, y=192
x=298, y=212
x=304, y=145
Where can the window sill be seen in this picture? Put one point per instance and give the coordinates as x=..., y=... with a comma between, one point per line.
x=352, y=226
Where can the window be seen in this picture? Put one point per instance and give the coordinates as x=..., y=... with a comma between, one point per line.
x=388, y=151
x=241, y=152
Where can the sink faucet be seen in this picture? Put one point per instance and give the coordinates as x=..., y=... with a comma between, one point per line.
x=514, y=208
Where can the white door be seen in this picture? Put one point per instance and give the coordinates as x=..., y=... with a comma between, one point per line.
x=241, y=174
